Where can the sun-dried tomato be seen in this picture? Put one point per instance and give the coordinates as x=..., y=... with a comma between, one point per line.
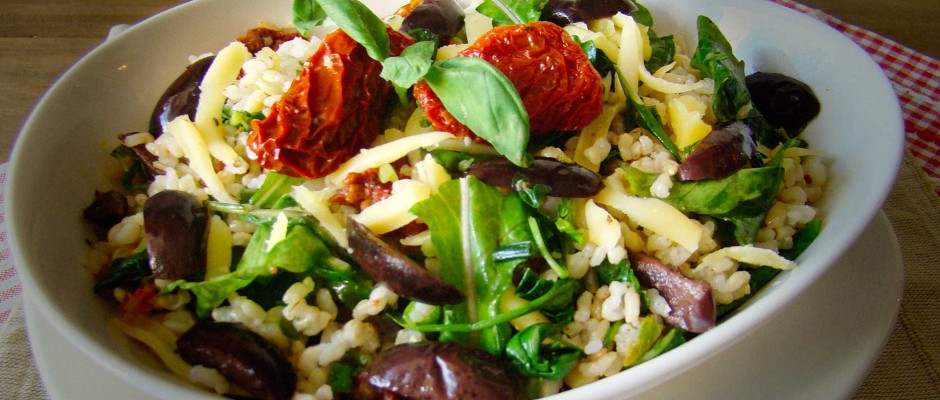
x=363, y=189
x=331, y=111
x=261, y=37
x=559, y=87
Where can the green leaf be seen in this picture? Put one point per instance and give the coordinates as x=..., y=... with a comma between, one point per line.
x=663, y=49
x=715, y=59
x=641, y=15
x=490, y=106
x=512, y=12
x=306, y=15
x=530, y=355
x=275, y=187
x=759, y=278
x=649, y=332
x=669, y=341
x=411, y=66
x=742, y=198
x=125, y=272
x=136, y=175
x=597, y=57
x=361, y=24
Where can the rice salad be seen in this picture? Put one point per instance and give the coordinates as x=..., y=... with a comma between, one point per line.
x=287, y=229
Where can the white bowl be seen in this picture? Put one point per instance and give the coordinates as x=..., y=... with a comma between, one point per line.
x=60, y=153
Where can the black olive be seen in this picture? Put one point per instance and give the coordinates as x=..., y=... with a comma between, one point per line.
x=443, y=18
x=564, y=179
x=433, y=370
x=722, y=153
x=692, y=304
x=175, y=226
x=564, y=12
x=241, y=356
x=784, y=101
x=107, y=209
x=181, y=97
x=402, y=275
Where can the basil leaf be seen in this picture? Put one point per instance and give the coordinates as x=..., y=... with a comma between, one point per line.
x=663, y=50
x=412, y=65
x=597, y=57
x=307, y=14
x=641, y=15
x=482, y=98
x=361, y=24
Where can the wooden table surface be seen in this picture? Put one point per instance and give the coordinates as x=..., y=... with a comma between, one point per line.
x=40, y=39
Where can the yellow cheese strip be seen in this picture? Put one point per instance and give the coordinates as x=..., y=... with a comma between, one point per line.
x=749, y=255
x=655, y=215
x=148, y=333
x=603, y=229
x=222, y=73
x=385, y=154
x=392, y=212
x=317, y=204
x=589, y=135
x=194, y=148
x=218, y=248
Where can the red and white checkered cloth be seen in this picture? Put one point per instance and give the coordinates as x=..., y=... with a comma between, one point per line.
x=916, y=79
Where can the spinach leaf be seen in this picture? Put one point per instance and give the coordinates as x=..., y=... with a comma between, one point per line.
x=125, y=272
x=360, y=23
x=512, y=12
x=307, y=14
x=742, y=198
x=641, y=15
x=597, y=57
x=531, y=355
x=490, y=107
x=409, y=67
x=714, y=57
x=803, y=239
x=638, y=114
x=663, y=50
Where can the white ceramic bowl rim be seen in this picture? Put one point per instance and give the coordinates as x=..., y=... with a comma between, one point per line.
x=766, y=304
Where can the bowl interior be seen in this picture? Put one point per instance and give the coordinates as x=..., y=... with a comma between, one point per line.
x=60, y=154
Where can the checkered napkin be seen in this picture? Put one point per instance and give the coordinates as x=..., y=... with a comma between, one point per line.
x=916, y=79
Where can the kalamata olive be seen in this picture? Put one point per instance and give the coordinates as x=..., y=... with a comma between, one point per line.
x=181, y=97
x=175, y=226
x=444, y=18
x=433, y=370
x=784, y=101
x=241, y=356
x=693, y=307
x=402, y=275
x=564, y=12
x=107, y=209
x=144, y=155
x=720, y=154
x=564, y=179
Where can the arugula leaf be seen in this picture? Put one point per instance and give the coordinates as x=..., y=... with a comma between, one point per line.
x=409, y=67
x=275, y=187
x=531, y=355
x=361, y=24
x=490, y=107
x=512, y=12
x=465, y=219
x=306, y=15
